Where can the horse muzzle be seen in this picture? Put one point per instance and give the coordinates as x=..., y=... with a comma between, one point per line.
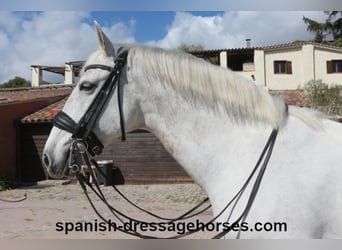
x=56, y=171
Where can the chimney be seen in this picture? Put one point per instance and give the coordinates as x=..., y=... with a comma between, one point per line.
x=248, y=42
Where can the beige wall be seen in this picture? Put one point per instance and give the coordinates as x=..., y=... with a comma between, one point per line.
x=322, y=55
x=260, y=71
x=283, y=81
x=308, y=63
x=247, y=74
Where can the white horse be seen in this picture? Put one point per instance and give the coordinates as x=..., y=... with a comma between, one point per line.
x=215, y=124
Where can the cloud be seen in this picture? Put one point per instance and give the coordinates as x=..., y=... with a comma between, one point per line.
x=52, y=38
x=49, y=38
x=232, y=28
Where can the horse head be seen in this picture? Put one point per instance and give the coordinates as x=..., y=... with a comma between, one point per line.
x=91, y=112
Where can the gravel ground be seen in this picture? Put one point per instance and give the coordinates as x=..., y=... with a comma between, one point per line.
x=51, y=204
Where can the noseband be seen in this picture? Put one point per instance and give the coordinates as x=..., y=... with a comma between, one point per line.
x=83, y=130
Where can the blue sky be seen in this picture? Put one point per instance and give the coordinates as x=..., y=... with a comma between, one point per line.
x=149, y=25
x=55, y=37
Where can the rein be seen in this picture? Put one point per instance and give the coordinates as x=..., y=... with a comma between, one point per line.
x=82, y=155
x=12, y=201
x=85, y=144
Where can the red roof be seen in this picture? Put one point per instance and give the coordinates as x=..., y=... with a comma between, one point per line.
x=15, y=95
x=46, y=114
x=291, y=97
x=295, y=44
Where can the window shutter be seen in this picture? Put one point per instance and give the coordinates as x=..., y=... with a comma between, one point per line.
x=288, y=67
x=329, y=67
x=275, y=69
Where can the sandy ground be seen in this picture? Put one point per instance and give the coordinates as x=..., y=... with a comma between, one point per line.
x=51, y=204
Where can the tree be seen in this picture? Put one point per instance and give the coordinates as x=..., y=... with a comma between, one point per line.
x=16, y=82
x=332, y=26
x=315, y=27
x=191, y=48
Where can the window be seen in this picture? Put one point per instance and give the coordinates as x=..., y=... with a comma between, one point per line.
x=282, y=67
x=334, y=66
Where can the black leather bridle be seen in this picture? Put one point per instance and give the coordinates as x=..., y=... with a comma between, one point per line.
x=83, y=130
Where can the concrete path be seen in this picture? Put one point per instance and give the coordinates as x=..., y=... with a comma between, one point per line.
x=55, y=209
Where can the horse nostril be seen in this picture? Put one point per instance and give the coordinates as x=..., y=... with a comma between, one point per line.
x=46, y=160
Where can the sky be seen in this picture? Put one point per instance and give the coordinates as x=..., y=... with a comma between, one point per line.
x=55, y=37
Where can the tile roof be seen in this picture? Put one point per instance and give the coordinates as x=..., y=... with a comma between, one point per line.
x=291, y=97
x=300, y=44
x=15, y=95
x=217, y=51
x=46, y=114
x=269, y=47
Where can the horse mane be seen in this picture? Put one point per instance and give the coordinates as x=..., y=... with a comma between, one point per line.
x=206, y=84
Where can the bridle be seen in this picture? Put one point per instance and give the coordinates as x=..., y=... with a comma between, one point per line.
x=83, y=130
x=84, y=142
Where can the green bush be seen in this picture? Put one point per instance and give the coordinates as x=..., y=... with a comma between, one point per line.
x=324, y=97
x=5, y=184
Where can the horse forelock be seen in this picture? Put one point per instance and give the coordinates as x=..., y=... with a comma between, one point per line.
x=210, y=85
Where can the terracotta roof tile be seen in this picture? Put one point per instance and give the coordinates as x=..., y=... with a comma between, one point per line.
x=269, y=47
x=299, y=44
x=46, y=114
x=15, y=95
x=291, y=97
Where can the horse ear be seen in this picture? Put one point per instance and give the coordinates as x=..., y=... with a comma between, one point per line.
x=105, y=44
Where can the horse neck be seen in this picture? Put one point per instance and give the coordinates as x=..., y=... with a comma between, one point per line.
x=206, y=143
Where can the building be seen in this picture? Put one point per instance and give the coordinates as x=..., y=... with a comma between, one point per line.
x=282, y=67
x=27, y=113
x=278, y=67
x=141, y=159
x=16, y=103
x=70, y=70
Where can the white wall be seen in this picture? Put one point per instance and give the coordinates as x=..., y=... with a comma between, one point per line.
x=322, y=55
x=247, y=74
x=223, y=59
x=69, y=74
x=284, y=81
x=37, y=76
x=308, y=63
x=259, y=65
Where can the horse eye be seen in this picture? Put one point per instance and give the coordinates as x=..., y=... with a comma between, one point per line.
x=87, y=86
